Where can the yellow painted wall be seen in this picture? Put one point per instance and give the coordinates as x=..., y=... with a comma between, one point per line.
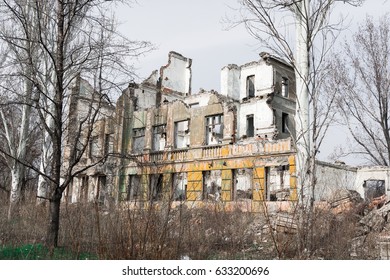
x=226, y=190
x=258, y=183
x=194, y=185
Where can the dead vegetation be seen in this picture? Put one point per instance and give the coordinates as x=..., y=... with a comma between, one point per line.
x=160, y=232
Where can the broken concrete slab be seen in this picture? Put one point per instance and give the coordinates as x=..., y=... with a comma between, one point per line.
x=374, y=220
x=384, y=247
x=286, y=223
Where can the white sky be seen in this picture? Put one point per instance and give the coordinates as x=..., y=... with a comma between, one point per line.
x=195, y=29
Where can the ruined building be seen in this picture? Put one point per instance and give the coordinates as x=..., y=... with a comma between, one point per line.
x=165, y=142
x=162, y=142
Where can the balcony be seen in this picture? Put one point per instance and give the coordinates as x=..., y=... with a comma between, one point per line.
x=218, y=151
x=212, y=152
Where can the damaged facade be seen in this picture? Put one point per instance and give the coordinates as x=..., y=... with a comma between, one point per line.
x=162, y=142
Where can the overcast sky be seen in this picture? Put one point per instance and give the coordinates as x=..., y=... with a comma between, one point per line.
x=195, y=29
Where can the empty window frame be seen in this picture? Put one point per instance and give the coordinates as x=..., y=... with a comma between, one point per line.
x=155, y=187
x=250, y=86
x=134, y=187
x=108, y=144
x=214, y=129
x=250, y=129
x=179, y=186
x=285, y=124
x=212, y=183
x=182, y=134
x=93, y=147
x=84, y=194
x=242, y=183
x=138, y=140
x=101, y=189
x=285, y=84
x=159, y=137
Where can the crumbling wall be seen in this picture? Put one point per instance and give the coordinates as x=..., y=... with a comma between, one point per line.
x=372, y=173
x=333, y=179
x=230, y=81
x=243, y=183
x=262, y=117
x=176, y=75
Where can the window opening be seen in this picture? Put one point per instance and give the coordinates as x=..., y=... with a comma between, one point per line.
x=250, y=86
x=284, y=123
x=138, y=140
x=159, y=137
x=250, y=130
x=182, y=134
x=214, y=129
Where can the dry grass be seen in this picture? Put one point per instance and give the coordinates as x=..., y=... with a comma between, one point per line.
x=152, y=233
x=164, y=233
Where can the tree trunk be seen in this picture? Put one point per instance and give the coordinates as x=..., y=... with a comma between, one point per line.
x=18, y=169
x=43, y=185
x=15, y=193
x=54, y=219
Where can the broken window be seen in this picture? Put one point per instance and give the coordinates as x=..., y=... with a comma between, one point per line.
x=159, y=137
x=156, y=187
x=242, y=183
x=101, y=189
x=138, y=140
x=182, y=134
x=212, y=185
x=250, y=86
x=214, y=129
x=284, y=123
x=250, y=130
x=93, y=147
x=179, y=187
x=108, y=144
x=134, y=187
x=284, y=87
x=374, y=188
x=279, y=179
x=84, y=189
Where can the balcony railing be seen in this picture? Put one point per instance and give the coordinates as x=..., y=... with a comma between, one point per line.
x=218, y=151
x=212, y=152
x=179, y=155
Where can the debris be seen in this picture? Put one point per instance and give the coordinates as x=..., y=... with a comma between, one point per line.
x=286, y=222
x=374, y=220
x=384, y=247
x=356, y=245
x=377, y=202
x=345, y=202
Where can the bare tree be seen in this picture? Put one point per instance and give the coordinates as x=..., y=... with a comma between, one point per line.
x=16, y=88
x=362, y=77
x=272, y=22
x=72, y=37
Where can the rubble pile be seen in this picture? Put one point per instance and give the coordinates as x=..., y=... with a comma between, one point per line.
x=373, y=227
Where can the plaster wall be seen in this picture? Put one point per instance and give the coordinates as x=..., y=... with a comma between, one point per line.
x=176, y=75
x=263, y=78
x=146, y=98
x=372, y=173
x=230, y=81
x=333, y=179
x=262, y=116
